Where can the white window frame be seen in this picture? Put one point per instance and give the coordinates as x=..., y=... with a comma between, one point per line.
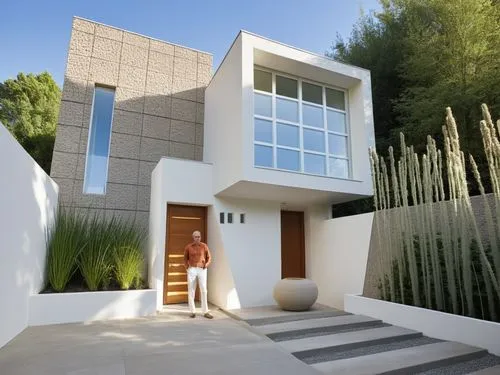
x=89, y=139
x=301, y=125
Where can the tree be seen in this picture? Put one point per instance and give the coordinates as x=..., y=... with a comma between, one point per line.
x=377, y=43
x=452, y=60
x=29, y=106
x=424, y=56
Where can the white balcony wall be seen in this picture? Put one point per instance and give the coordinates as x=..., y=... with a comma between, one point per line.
x=223, y=131
x=281, y=58
x=229, y=115
x=28, y=203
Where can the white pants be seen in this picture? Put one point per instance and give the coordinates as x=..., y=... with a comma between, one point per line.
x=201, y=274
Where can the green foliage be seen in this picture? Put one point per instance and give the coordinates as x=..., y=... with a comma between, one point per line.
x=94, y=263
x=377, y=43
x=424, y=56
x=452, y=60
x=100, y=251
x=128, y=263
x=128, y=256
x=432, y=254
x=29, y=106
x=65, y=243
x=403, y=292
x=357, y=207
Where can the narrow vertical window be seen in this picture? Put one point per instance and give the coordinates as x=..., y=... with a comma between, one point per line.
x=96, y=168
x=229, y=218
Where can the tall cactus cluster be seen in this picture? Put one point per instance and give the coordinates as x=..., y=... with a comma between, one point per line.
x=431, y=250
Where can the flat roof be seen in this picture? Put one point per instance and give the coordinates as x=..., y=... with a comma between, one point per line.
x=242, y=31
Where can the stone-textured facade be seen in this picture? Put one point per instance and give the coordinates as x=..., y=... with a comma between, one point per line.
x=158, y=111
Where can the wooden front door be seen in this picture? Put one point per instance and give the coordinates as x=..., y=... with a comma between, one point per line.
x=182, y=221
x=293, y=263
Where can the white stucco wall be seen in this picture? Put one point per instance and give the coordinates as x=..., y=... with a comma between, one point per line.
x=174, y=181
x=221, y=287
x=28, y=201
x=84, y=307
x=251, y=251
x=337, y=254
x=222, y=120
x=357, y=81
x=229, y=108
x=246, y=257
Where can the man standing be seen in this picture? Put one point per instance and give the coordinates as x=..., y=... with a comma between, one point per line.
x=196, y=260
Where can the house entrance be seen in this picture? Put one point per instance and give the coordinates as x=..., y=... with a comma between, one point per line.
x=182, y=221
x=293, y=263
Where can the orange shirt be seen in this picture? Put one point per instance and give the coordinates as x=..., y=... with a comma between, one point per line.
x=197, y=255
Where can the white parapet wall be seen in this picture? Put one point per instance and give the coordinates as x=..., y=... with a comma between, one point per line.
x=28, y=201
x=444, y=326
x=57, y=308
x=337, y=254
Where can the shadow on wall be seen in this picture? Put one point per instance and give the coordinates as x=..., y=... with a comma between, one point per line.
x=28, y=201
x=146, y=127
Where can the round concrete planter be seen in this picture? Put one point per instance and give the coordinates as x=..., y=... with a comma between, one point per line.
x=295, y=294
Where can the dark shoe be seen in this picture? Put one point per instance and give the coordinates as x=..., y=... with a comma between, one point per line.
x=192, y=315
x=208, y=316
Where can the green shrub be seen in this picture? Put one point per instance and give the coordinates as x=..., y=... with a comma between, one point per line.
x=66, y=241
x=103, y=252
x=128, y=259
x=402, y=282
x=95, y=262
x=128, y=263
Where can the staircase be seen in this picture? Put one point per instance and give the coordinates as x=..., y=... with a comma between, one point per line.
x=335, y=342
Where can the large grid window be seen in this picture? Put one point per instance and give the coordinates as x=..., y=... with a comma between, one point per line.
x=96, y=169
x=300, y=126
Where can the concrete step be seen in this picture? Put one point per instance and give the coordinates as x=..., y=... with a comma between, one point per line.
x=348, y=340
x=403, y=361
x=485, y=365
x=336, y=354
x=280, y=318
x=270, y=329
x=487, y=371
x=320, y=326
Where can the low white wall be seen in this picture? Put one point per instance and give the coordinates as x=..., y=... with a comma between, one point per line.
x=28, y=201
x=337, y=254
x=247, y=257
x=475, y=332
x=60, y=308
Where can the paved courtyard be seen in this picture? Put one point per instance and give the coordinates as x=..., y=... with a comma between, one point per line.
x=170, y=343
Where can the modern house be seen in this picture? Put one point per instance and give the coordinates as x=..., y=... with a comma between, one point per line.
x=252, y=156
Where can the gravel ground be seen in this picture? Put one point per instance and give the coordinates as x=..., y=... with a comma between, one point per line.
x=373, y=349
x=465, y=367
x=301, y=334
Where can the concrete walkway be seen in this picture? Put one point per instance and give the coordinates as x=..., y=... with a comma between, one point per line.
x=170, y=343
x=335, y=342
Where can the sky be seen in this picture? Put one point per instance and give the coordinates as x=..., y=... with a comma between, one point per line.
x=34, y=34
